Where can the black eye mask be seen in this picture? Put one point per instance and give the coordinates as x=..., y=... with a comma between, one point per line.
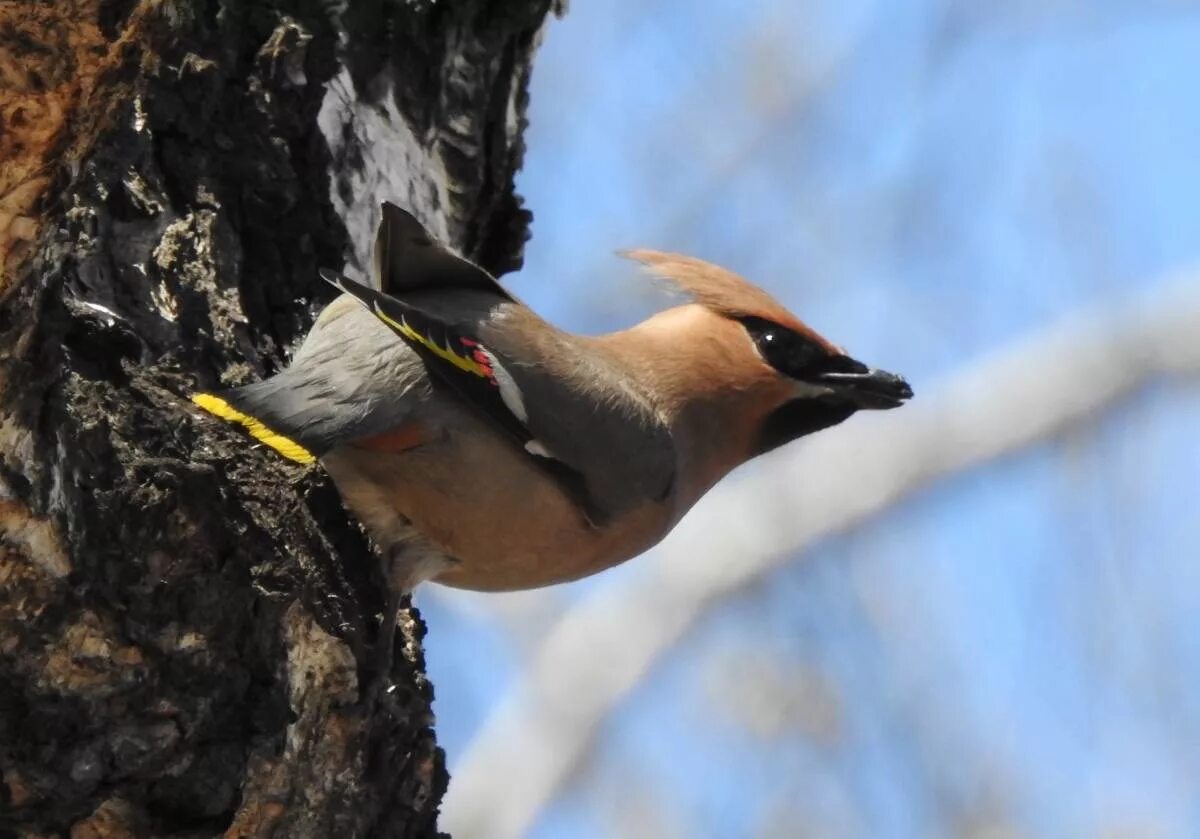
x=795, y=355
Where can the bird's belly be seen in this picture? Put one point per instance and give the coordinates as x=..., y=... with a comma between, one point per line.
x=503, y=521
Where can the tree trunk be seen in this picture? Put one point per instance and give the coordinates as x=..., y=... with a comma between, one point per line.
x=185, y=620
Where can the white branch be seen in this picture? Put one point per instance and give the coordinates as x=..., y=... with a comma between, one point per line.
x=603, y=647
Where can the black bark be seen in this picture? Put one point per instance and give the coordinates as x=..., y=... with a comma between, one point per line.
x=185, y=620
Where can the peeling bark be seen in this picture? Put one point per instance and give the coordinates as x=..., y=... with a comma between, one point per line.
x=185, y=620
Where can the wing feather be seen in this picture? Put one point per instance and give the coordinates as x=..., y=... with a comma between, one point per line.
x=458, y=360
x=409, y=258
x=576, y=415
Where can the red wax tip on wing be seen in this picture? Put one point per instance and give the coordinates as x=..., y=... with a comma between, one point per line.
x=467, y=342
x=484, y=362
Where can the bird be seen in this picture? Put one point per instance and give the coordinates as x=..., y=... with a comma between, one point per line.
x=484, y=448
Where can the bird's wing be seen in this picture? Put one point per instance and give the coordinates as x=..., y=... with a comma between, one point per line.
x=449, y=353
x=349, y=381
x=605, y=446
x=409, y=258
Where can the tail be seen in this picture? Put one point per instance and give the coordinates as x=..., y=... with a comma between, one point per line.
x=243, y=406
x=347, y=381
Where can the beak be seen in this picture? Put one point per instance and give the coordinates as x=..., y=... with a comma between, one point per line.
x=870, y=389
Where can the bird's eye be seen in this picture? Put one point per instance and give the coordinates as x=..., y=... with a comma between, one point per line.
x=789, y=353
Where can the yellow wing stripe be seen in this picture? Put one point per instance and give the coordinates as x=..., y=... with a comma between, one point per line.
x=218, y=407
x=461, y=362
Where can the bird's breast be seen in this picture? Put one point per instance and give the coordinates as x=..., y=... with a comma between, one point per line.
x=504, y=521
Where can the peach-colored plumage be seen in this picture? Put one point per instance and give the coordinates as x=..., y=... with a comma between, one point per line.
x=486, y=448
x=720, y=289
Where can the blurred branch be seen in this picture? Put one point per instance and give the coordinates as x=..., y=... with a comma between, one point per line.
x=599, y=651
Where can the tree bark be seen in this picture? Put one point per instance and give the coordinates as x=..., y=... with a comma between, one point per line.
x=185, y=620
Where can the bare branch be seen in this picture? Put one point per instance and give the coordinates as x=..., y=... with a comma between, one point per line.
x=602, y=648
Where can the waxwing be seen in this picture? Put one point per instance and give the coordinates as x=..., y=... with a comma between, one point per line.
x=485, y=448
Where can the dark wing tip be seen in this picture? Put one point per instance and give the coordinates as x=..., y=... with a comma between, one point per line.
x=355, y=289
x=403, y=222
x=391, y=208
x=331, y=277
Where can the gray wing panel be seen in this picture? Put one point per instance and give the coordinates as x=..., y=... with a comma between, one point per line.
x=351, y=378
x=586, y=413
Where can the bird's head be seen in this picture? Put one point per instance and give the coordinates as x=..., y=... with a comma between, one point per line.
x=781, y=378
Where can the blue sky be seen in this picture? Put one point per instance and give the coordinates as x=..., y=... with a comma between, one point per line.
x=924, y=182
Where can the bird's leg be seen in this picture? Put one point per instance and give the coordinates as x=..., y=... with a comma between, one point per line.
x=406, y=563
x=385, y=644
x=385, y=640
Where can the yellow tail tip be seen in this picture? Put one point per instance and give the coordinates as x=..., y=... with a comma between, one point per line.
x=218, y=407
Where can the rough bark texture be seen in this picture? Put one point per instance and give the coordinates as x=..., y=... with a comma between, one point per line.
x=186, y=621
